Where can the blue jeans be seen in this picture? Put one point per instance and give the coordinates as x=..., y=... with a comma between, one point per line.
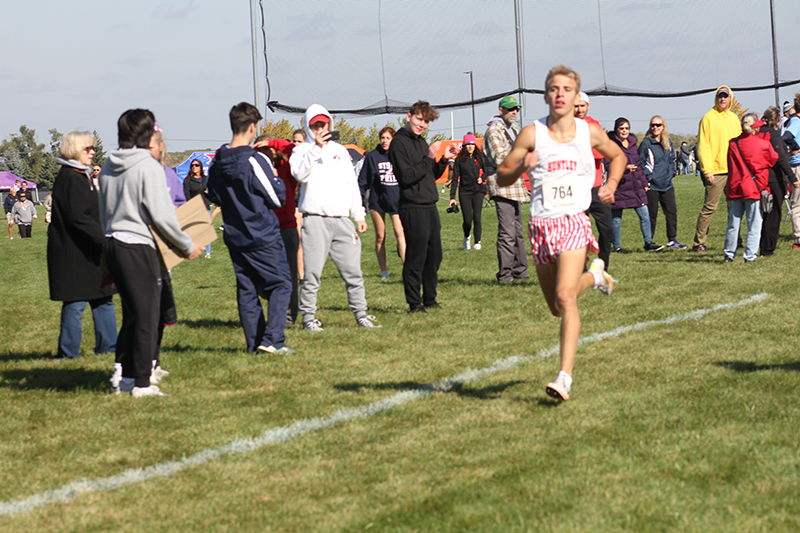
x=105, y=327
x=644, y=223
x=751, y=209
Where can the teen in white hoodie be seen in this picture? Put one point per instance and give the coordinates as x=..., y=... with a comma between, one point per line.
x=329, y=194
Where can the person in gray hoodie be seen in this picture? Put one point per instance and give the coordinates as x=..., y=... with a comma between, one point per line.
x=133, y=196
x=24, y=212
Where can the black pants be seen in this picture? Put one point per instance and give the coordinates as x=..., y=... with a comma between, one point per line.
x=291, y=242
x=771, y=224
x=423, y=253
x=24, y=231
x=135, y=270
x=471, y=206
x=667, y=201
x=605, y=228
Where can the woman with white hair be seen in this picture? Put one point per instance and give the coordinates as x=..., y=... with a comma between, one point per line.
x=74, y=247
x=749, y=159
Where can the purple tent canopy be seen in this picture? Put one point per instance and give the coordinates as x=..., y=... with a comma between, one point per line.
x=7, y=180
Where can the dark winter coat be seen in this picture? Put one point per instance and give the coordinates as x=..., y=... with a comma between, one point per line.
x=658, y=164
x=630, y=192
x=780, y=174
x=74, y=239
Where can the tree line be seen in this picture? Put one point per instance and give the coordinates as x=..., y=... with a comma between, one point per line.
x=36, y=162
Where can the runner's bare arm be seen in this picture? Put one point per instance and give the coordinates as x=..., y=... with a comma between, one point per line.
x=521, y=157
x=611, y=151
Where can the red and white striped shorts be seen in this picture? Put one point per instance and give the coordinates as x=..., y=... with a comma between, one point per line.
x=551, y=236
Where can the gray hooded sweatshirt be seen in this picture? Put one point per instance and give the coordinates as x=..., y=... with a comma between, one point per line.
x=133, y=196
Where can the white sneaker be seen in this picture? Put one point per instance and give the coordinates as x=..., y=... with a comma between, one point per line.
x=366, y=321
x=466, y=243
x=559, y=389
x=152, y=390
x=159, y=372
x=602, y=279
x=116, y=377
x=477, y=246
x=313, y=325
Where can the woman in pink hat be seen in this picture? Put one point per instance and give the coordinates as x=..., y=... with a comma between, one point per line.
x=468, y=172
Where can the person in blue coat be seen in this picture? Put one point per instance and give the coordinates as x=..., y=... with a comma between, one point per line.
x=658, y=164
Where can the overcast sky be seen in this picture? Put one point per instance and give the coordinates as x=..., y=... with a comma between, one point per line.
x=80, y=64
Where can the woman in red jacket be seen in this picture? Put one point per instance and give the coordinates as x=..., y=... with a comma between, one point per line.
x=749, y=159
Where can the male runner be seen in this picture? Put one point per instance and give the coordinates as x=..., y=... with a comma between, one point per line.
x=556, y=151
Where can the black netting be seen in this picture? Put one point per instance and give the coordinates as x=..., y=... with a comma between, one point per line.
x=402, y=51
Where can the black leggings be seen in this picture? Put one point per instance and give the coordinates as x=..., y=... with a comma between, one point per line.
x=471, y=206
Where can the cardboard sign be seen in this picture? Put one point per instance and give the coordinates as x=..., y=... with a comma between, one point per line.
x=194, y=220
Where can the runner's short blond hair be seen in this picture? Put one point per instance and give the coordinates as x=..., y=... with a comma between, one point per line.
x=563, y=71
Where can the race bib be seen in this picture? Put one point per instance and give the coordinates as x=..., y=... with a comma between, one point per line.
x=560, y=193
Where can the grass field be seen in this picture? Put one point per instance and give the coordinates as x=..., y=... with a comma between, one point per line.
x=684, y=426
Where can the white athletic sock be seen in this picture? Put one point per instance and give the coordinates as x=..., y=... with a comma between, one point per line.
x=598, y=278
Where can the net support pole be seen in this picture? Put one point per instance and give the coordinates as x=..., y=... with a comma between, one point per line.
x=774, y=53
x=520, y=77
x=253, y=42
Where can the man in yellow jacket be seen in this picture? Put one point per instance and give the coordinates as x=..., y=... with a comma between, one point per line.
x=718, y=126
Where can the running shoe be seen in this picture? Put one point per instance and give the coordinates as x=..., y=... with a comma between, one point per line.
x=384, y=274
x=676, y=245
x=603, y=280
x=477, y=246
x=466, y=243
x=559, y=389
x=653, y=247
x=702, y=248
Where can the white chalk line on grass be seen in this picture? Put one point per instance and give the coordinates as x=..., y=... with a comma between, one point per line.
x=302, y=427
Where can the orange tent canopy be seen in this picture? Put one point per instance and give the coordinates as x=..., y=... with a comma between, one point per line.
x=443, y=147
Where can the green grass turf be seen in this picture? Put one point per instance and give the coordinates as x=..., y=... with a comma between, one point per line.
x=691, y=426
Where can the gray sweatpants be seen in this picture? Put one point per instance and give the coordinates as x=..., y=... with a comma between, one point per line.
x=336, y=236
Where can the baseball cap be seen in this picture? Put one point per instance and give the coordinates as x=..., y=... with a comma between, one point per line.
x=319, y=118
x=584, y=97
x=724, y=90
x=787, y=105
x=509, y=102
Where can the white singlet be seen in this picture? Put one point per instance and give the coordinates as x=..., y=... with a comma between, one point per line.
x=561, y=182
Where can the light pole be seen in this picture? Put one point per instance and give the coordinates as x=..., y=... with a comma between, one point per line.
x=472, y=93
